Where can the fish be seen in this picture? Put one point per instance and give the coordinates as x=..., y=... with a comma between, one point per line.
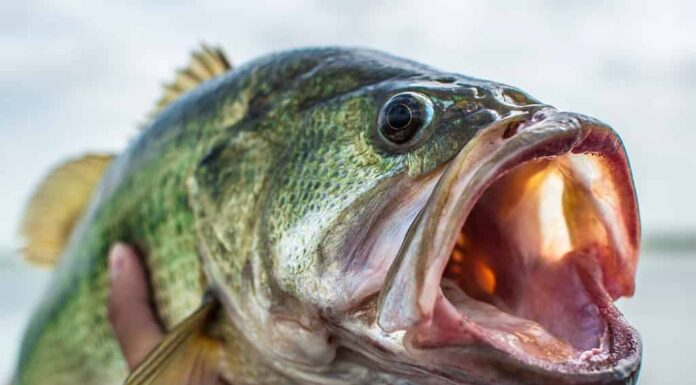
x=344, y=216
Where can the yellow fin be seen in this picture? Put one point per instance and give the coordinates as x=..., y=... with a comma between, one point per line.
x=188, y=355
x=56, y=206
x=206, y=63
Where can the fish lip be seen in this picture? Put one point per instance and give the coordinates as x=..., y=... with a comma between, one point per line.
x=411, y=291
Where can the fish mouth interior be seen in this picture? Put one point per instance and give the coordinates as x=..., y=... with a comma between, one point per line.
x=527, y=264
x=512, y=266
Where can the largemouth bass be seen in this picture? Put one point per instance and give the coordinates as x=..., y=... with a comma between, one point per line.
x=343, y=216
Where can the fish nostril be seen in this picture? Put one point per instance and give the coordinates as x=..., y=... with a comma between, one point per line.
x=511, y=129
x=539, y=116
x=514, y=127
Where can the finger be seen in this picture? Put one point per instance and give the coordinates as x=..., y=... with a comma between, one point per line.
x=129, y=306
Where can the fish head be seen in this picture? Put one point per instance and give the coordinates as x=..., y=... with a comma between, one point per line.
x=443, y=229
x=497, y=253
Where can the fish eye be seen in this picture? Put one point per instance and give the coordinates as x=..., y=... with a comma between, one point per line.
x=403, y=116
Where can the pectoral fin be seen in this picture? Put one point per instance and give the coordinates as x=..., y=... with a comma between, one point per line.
x=188, y=355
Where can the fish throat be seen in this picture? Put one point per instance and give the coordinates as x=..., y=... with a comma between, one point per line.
x=524, y=259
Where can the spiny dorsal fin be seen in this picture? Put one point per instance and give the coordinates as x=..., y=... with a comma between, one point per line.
x=206, y=63
x=56, y=206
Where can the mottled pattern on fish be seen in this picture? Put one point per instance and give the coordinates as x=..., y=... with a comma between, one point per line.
x=143, y=198
x=271, y=188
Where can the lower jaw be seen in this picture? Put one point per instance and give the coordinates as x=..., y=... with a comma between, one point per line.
x=459, y=325
x=462, y=346
x=472, y=357
x=469, y=359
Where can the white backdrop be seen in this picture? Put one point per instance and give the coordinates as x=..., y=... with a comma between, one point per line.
x=76, y=76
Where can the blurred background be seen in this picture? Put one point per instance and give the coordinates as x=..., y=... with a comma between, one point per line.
x=77, y=76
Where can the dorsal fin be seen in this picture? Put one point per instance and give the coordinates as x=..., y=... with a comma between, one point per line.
x=57, y=204
x=206, y=63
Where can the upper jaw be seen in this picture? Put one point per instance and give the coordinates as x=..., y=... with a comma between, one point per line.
x=412, y=299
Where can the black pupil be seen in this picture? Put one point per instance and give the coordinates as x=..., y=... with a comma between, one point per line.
x=399, y=116
x=402, y=118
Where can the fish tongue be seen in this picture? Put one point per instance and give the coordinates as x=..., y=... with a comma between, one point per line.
x=498, y=327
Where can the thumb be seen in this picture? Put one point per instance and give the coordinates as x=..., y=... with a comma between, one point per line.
x=130, y=308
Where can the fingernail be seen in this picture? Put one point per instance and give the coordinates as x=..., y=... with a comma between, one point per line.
x=118, y=257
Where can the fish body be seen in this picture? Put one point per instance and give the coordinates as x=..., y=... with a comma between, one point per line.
x=305, y=194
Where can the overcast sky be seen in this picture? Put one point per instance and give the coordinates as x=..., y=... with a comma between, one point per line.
x=77, y=76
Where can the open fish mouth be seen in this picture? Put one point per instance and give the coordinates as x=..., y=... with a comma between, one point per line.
x=530, y=235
